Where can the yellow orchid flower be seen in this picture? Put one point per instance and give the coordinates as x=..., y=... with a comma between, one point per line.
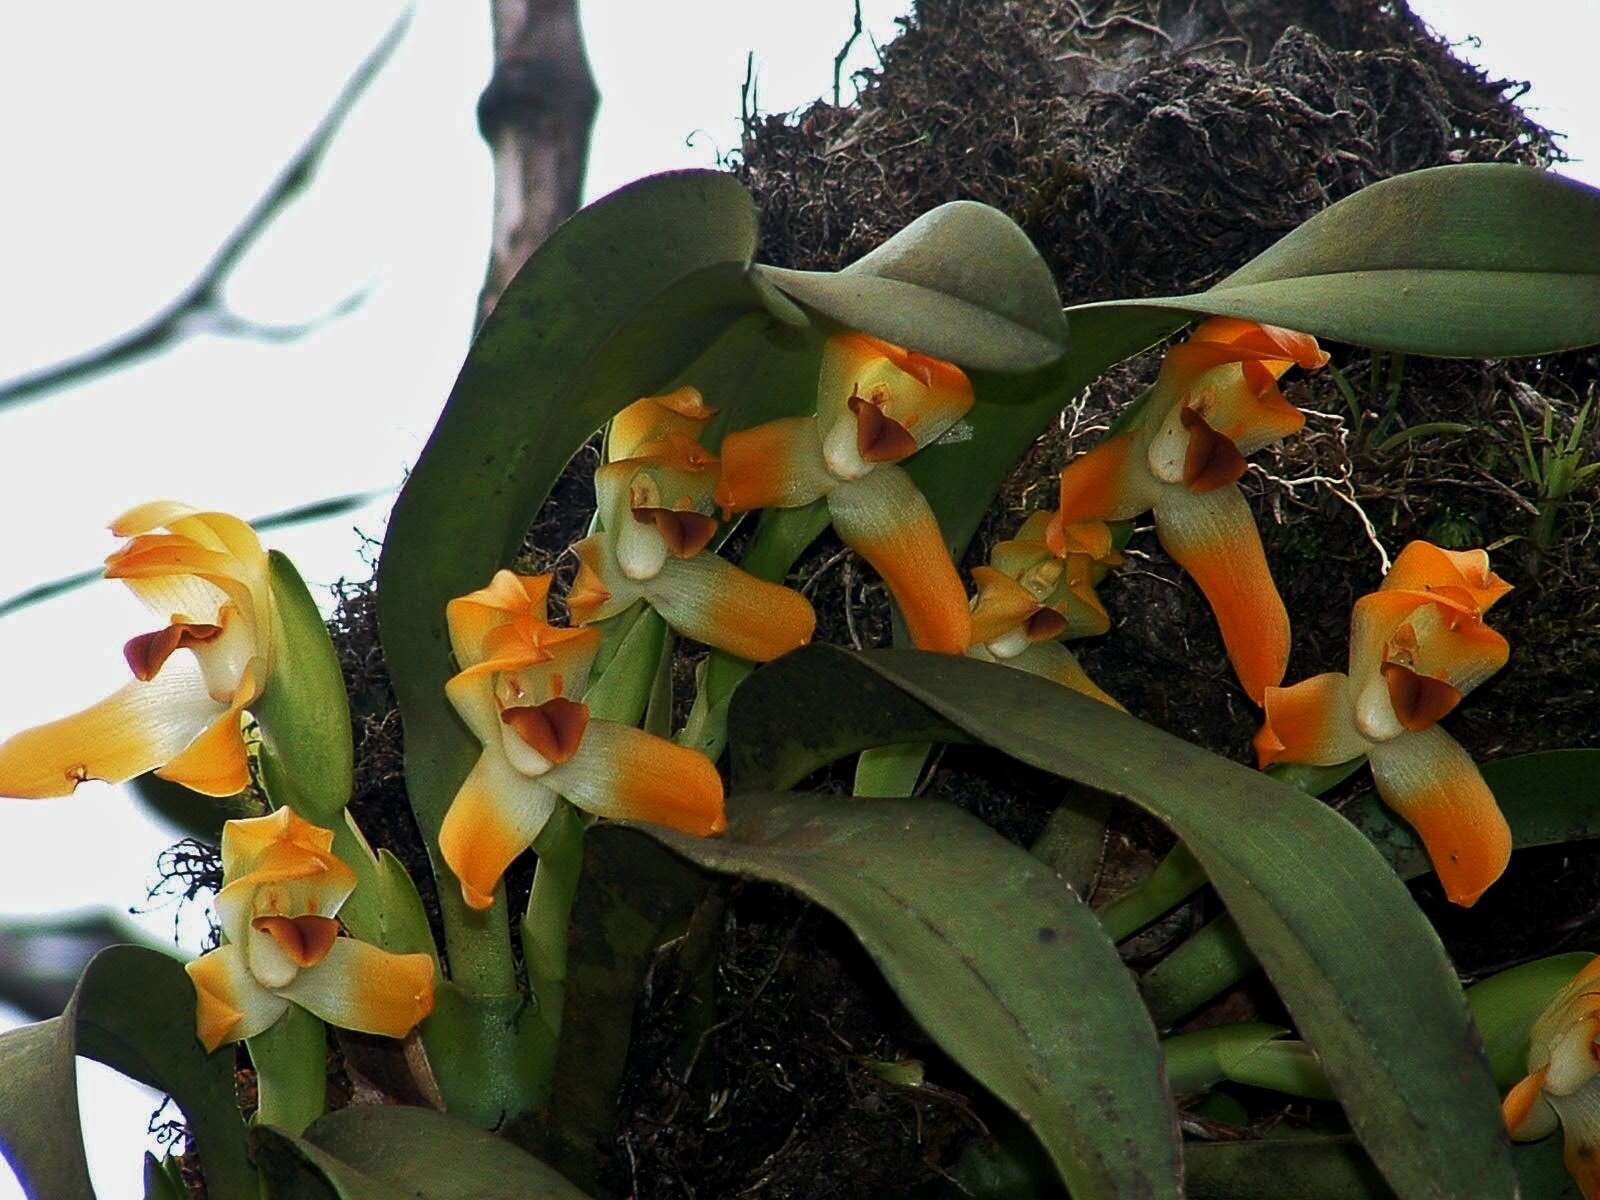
x=652, y=419
x=1215, y=402
x=1030, y=599
x=519, y=691
x=1417, y=646
x=282, y=889
x=206, y=577
x=656, y=511
x=1563, y=1082
x=877, y=405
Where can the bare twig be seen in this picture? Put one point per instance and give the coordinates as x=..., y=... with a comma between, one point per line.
x=201, y=307
x=844, y=53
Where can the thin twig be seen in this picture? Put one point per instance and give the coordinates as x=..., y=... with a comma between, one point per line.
x=844, y=53
x=201, y=306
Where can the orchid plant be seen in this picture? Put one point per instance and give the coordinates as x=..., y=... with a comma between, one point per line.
x=889, y=401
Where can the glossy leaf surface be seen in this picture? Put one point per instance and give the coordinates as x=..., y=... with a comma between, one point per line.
x=381, y=1152
x=1318, y=905
x=961, y=282
x=993, y=957
x=134, y=1011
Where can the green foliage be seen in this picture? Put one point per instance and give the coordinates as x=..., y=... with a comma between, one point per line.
x=397, y=1153
x=1314, y=901
x=134, y=1011
x=977, y=937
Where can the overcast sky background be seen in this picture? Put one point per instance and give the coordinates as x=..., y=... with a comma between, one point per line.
x=134, y=135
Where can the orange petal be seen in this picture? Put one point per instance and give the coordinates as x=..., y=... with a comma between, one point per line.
x=652, y=418
x=1461, y=574
x=134, y=730
x=1220, y=340
x=884, y=518
x=1428, y=779
x=685, y=533
x=1419, y=701
x=1112, y=482
x=1521, y=1103
x=879, y=437
x=1212, y=461
x=507, y=599
x=246, y=841
x=216, y=763
x=775, y=465
x=493, y=818
x=1003, y=606
x=147, y=653
x=1311, y=722
x=710, y=600
x=600, y=589
x=627, y=774
x=366, y=989
x=1213, y=537
x=229, y=1004
x=553, y=729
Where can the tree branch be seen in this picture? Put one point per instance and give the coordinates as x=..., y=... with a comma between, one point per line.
x=201, y=307
x=536, y=114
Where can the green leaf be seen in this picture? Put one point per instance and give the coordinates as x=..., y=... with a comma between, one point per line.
x=1479, y=260
x=613, y=306
x=42, y=958
x=1317, y=904
x=1506, y=1004
x=994, y=958
x=1334, y=1168
x=1547, y=797
x=134, y=1011
x=961, y=282
x=1194, y=1060
x=307, y=758
x=375, y=1152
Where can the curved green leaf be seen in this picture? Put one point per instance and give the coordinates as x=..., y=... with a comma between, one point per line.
x=134, y=1011
x=1478, y=260
x=1318, y=905
x=307, y=758
x=378, y=1152
x=961, y=282
x=1334, y=1168
x=1548, y=798
x=1003, y=966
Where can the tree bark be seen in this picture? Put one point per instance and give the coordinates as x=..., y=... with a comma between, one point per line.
x=536, y=114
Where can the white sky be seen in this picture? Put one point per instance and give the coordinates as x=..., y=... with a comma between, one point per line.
x=135, y=138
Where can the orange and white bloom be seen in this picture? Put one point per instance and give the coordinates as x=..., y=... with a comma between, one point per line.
x=206, y=579
x=1563, y=1082
x=519, y=691
x=1216, y=401
x=282, y=888
x=1417, y=646
x=1030, y=599
x=656, y=509
x=877, y=405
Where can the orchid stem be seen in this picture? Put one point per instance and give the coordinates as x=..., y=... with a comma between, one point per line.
x=1073, y=841
x=291, y=1062
x=1177, y=877
x=891, y=771
x=544, y=930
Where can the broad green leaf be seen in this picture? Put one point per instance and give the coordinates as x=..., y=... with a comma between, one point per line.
x=1334, y=1168
x=307, y=758
x=612, y=307
x=134, y=1011
x=1480, y=260
x=1317, y=904
x=1003, y=966
x=961, y=282
x=392, y=1152
x=1548, y=798
x=42, y=958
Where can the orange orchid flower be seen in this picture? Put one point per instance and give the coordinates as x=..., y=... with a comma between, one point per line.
x=1216, y=401
x=1563, y=1082
x=1030, y=599
x=1417, y=646
x=656, y=509
x=877, y=405
x=520, y=692
x=206, y=579
x=282, y=888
